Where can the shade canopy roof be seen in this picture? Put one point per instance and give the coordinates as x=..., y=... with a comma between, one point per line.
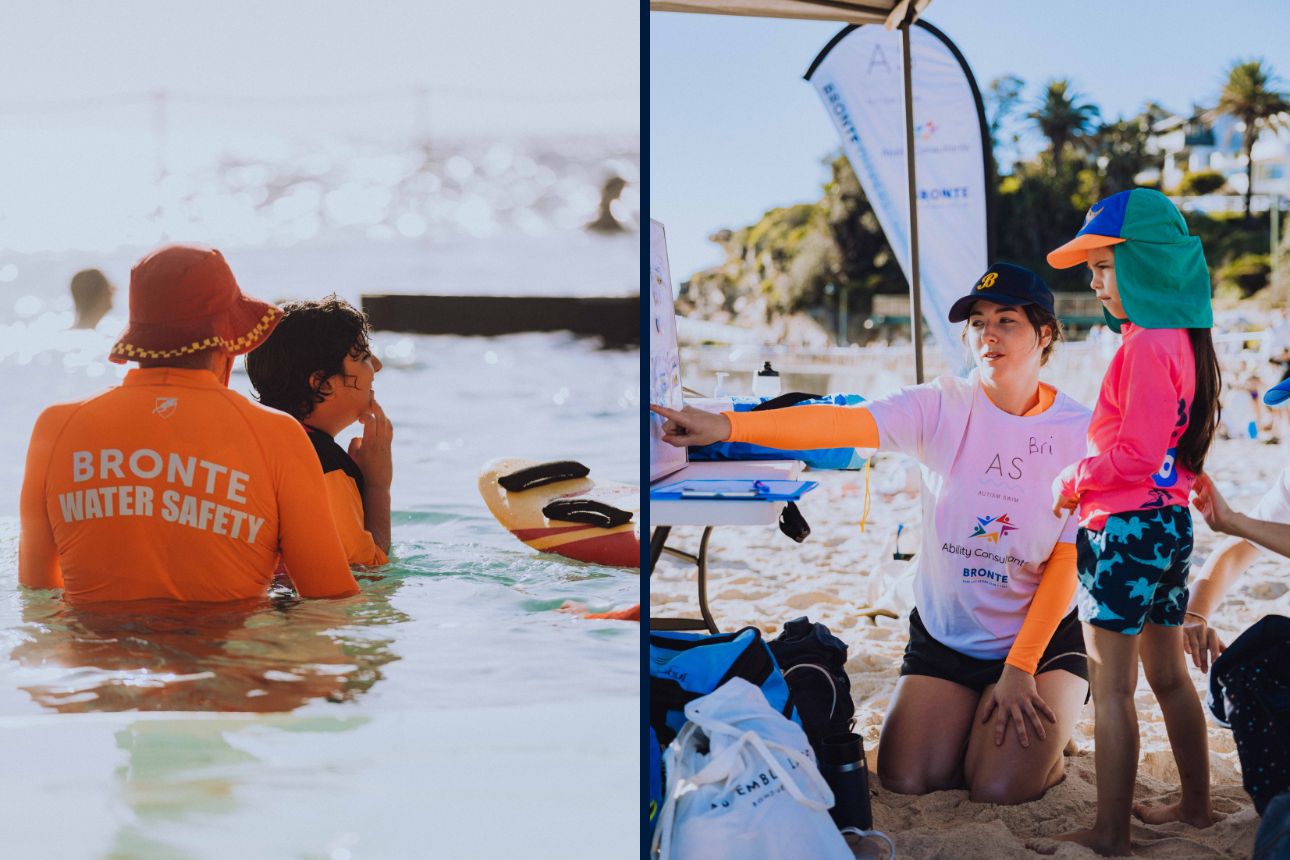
x=889, y=13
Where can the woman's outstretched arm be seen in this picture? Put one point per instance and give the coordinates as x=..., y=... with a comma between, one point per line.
x=799, y=428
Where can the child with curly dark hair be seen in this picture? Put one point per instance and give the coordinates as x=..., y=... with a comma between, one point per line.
x=318, y=367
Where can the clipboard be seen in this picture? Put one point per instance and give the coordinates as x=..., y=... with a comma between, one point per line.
x=741, y=490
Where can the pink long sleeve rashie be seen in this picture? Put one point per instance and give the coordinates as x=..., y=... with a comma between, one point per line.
x=1141, y=414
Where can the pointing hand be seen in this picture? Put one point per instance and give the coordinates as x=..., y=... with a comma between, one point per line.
x=692, y=427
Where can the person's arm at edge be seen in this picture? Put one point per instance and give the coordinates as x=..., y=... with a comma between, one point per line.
x=37, y=552
x=1220, y=517
x=1273, y=536
x=1224, y=566
x=313, y=555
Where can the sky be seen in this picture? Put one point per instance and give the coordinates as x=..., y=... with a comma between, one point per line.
x=735, y=131
x=495, y=67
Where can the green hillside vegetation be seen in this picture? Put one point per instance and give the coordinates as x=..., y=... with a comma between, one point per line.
x=803, y=259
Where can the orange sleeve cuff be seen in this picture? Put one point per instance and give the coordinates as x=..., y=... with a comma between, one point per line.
x=632, y=613
x=347, y=511
x=1047, y=609
x=804, y=428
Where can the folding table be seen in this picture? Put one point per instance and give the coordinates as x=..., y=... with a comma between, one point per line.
x=709, y=513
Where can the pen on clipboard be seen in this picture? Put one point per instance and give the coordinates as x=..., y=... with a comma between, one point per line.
x=719, y=494
x=759, y=489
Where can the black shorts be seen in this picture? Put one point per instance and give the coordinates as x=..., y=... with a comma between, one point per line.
x=927, y=656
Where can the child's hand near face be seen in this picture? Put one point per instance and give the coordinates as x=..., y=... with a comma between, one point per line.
x=371, y=451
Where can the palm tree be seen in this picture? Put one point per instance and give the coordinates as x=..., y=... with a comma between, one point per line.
x=1249, y=96
x=1061, y=120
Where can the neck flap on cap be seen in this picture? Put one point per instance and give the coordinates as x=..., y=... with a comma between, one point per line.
x=1160, y=270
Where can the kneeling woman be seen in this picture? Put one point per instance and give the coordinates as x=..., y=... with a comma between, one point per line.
x=993, y=632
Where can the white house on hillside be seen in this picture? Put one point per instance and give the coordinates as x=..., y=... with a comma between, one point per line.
x=1206, y=142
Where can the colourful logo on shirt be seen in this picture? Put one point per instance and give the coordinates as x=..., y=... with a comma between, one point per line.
x=1003, y=526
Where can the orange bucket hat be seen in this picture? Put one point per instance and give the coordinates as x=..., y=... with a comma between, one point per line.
x=184, y=301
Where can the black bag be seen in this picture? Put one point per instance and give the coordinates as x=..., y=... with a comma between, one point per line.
x=1249, y=692
x=687, y=666
x=813, y=662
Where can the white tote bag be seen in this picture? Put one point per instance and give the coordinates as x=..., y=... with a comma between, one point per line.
x=742, y=785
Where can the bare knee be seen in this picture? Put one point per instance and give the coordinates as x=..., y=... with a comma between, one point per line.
x=907, y=783
x=1113, y=690
x=1006, y=790
x=916, y=778
x=1166, y=679
x=1009, y=789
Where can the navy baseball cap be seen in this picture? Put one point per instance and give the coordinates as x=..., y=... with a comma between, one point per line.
x=1277, y=394
x=1005, y=284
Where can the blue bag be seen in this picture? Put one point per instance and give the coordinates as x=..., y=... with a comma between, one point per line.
x=688, y=666
x=1272, y=842
x=655, y=780
x=816, y=458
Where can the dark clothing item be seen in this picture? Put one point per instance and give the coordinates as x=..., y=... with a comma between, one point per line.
x=333, y=457
x=927, y=656
x=1249, y=690
x=813, y=661
x=1134, y=569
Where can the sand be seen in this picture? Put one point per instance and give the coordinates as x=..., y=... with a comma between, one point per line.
x=760, y=577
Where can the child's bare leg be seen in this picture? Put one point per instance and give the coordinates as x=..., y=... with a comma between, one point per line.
x=1113, y=675
x=1165, y=666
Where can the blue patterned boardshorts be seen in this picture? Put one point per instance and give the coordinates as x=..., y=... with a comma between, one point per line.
x=1134, y=569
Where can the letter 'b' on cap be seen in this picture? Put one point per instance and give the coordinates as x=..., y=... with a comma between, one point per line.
x=1004, y=284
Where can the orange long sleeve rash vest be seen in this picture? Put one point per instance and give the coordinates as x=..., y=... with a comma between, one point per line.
x=171, y=486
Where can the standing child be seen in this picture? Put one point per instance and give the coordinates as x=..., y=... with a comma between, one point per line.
x=1151, y=429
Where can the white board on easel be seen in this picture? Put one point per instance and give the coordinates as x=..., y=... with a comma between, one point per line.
x=664, y=357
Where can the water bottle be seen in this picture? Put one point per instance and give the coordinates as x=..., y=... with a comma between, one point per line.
x=766, y=382
x=844, y=768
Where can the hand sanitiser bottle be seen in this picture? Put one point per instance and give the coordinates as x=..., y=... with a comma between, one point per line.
x=766, y=382
x=720, y=390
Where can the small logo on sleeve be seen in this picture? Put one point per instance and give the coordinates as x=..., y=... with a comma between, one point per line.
x=165, y=406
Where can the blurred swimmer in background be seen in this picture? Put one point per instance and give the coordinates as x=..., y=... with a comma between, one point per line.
x=92, y=293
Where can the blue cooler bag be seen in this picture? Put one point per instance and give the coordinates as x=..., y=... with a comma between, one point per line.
x=655, y=781
x=816, y=458
x=687, y=666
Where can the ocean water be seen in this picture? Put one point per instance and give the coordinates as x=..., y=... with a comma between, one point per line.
x=444, y=711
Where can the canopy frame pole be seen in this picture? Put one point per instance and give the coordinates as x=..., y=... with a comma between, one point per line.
x=915, y=299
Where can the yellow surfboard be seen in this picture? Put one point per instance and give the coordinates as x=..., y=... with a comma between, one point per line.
x=520, y=512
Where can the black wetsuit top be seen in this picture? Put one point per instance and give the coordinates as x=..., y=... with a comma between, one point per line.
x=333, y=457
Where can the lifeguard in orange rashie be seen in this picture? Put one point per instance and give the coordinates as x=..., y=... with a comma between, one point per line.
x=171, y=486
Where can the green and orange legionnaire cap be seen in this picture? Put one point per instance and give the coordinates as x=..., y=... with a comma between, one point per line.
x=1159, y=268
x=185, y=301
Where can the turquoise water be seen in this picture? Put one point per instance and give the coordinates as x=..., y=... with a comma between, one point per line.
x=444, y=711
